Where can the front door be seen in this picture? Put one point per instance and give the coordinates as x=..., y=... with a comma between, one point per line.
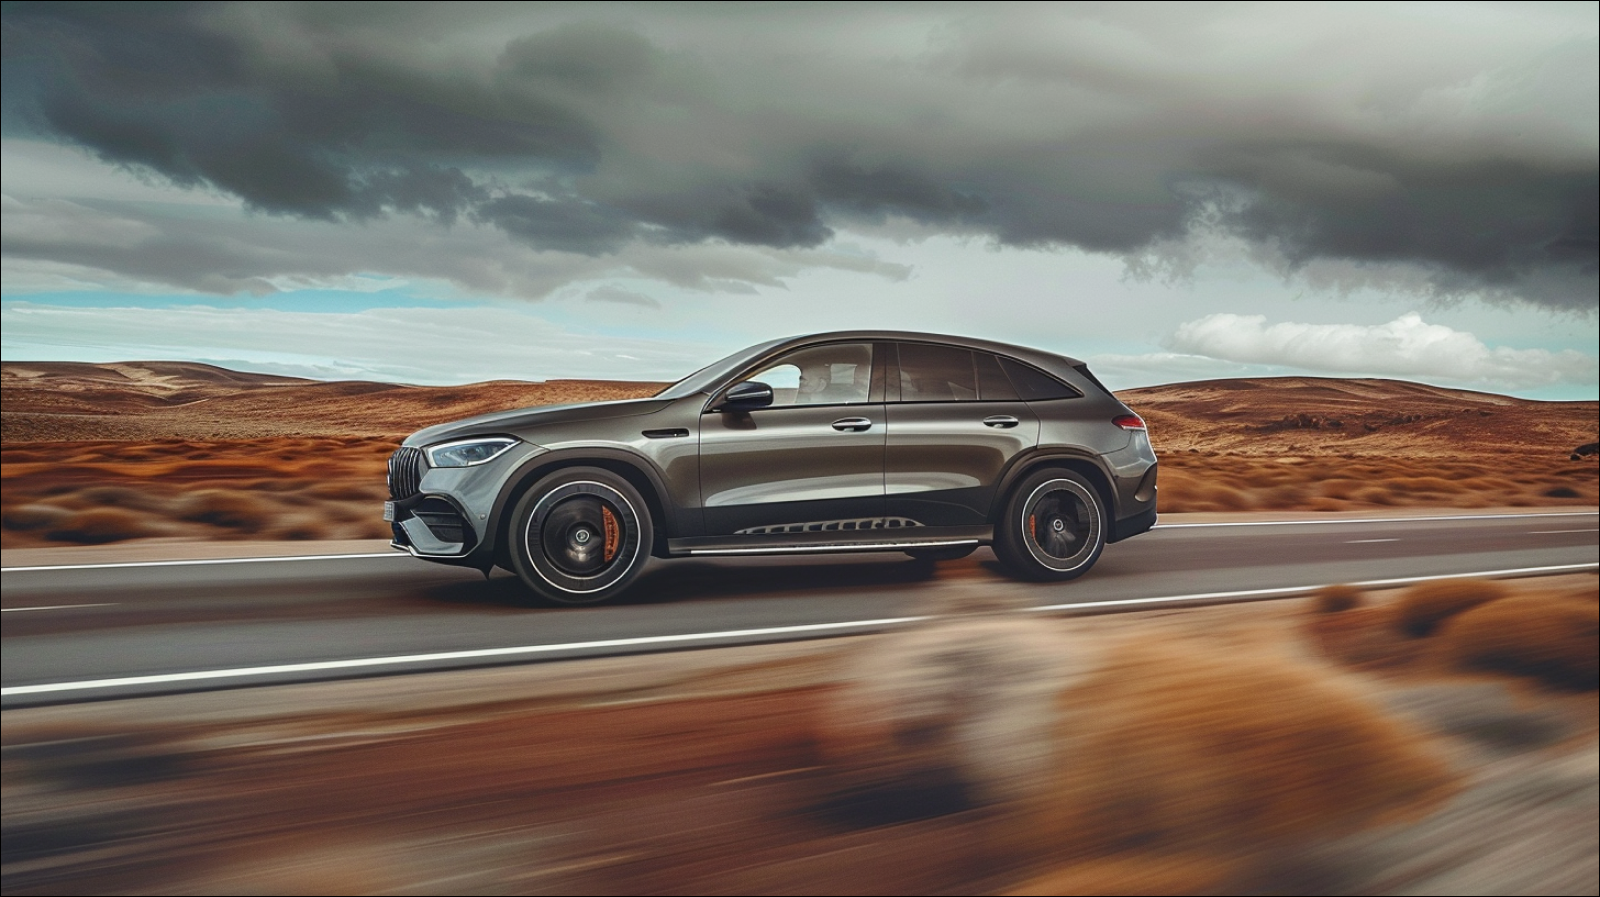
x=812, y=461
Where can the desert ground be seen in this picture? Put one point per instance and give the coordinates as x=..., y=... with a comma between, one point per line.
x=1435, y=740
x=99, y=453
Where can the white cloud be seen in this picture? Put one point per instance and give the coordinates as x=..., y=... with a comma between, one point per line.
x=1405, y=347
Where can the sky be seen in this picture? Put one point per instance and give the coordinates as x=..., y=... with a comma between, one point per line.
x=446, y=193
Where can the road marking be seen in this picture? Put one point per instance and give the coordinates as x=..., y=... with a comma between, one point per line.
x=1551, y=532
x=1367, y=541
x=799, y=631
x=207, y=562
x=523, y=650
x=8, y=610
x=1343, y=520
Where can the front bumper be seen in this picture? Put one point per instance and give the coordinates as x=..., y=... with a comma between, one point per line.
x=442, y=513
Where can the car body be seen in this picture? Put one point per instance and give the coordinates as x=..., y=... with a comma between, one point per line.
x=837, y=442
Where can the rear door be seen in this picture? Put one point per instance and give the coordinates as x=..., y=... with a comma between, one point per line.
x=955, y=422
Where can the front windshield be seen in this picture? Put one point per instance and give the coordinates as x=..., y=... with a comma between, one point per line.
x=712, y=375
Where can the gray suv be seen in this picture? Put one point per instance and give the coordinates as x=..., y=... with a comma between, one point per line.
x=838, y=442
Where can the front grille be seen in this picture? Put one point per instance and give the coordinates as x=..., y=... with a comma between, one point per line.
x=405, y=473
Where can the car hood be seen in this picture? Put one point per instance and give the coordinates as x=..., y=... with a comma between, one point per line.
x=521, y=419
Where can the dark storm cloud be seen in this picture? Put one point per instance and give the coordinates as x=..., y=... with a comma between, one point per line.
x=1460, y=146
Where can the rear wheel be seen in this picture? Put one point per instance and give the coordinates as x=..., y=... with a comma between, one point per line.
x=580, y=536
x=1053, y=528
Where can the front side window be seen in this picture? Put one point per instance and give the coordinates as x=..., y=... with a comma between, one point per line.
x=835, y=374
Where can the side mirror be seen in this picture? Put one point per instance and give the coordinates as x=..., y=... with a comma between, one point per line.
x=746, y=395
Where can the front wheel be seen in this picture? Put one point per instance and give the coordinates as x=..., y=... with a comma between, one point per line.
x=580, y=536
x=1053, y=528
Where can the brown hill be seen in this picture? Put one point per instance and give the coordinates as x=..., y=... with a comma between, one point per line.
x=1391, y=418
x=151, y=400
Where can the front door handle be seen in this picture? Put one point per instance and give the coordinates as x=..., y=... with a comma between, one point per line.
x=1000, y=420
x=852, y=424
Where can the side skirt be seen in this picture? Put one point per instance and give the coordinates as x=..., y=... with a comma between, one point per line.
x=831, y=542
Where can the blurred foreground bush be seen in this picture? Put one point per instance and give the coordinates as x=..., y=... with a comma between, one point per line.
x=1555, y=638
x=1423, y=607
x=1090, y=751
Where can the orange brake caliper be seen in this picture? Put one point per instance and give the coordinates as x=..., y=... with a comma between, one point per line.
x=611, y=533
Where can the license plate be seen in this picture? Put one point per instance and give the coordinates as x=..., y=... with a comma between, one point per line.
x=388, y=511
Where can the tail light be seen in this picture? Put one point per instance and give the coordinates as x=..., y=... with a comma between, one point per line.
x=1129, y=421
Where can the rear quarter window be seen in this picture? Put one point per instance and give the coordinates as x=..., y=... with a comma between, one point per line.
x=1034, y=385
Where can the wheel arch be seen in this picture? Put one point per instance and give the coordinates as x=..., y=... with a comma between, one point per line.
x=1031, y=464
x=639, y=473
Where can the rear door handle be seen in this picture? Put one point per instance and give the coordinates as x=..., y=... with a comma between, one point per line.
x=852, y=424
x=1000, y=420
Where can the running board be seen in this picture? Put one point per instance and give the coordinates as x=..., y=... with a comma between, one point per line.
x=829, y=542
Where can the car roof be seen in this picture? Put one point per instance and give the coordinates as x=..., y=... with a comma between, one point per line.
x=1038, y=357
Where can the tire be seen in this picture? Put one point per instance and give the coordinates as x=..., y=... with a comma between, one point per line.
x=951, y=553
x=580, y=536
x=1053, y=528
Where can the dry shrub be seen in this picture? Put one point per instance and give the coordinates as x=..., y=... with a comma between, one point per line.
x=1216, y=496
x=1285, y=496
x=1338, y=598
x=1423, y=607
x=1429, y=484
x=1376, y=495
x=1553, y=637
x=966, y=696
x=118, y=497
x=374, y=490
x=33, y=517
x=1340, y=488
x=1184, y=746
x=100, y=525
x=227, y=508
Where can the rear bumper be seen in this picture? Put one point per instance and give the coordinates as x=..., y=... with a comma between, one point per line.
x=1133, y=526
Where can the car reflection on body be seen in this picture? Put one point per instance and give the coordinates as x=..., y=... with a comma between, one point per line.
x=839, y=442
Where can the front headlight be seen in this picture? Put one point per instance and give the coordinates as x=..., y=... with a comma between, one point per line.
x=468, y=452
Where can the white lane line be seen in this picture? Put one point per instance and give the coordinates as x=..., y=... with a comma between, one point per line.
x=208, y=562
x=1297, y=590
x=1551, y=532
x=8, y=610
x=1343, y=520
x=728, y=635
x=524, y=650
x=1367, y=541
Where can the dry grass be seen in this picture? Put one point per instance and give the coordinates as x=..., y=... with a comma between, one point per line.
x=1218, y=481
x=1191, y=747
x=1552, y=637
x=1423, y=607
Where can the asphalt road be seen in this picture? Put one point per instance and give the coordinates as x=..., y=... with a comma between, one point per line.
x=76, y=634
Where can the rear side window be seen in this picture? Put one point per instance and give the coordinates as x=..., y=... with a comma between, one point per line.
x=993, y=385
x=1035, y=385
x=936, y=374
